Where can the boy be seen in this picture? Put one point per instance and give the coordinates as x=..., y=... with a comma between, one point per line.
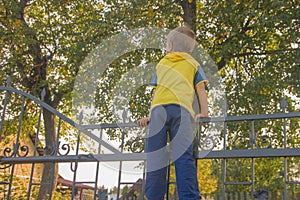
x=176, y=79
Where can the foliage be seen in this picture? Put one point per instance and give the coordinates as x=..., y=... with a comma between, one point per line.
x=42, y=45
x=255, y=45
x=207, y=182
x=113, y=190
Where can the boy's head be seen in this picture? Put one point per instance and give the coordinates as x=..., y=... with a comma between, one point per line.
x=181, y=39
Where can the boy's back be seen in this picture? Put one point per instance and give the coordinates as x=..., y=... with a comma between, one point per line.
x=174, y=80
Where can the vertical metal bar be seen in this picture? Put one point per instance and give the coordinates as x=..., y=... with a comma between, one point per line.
x=169, y=172
x=252, y=178
x=96, y=180
x=4, y=108
x=168, y=181
x=74, y=169
x=144, y=181
x=253, y=135
x=10, y=181
x=34, y=152
x=56, y=147
x=145, y=166
x=19, y=128
x=2, y=121
x=52, y=180
x=57, y=137
x=252, y=139
x=223, y=178
x=120, y=165
x=97, y=168
x=16, y=147
x=124, y=116
x=224, y=163
x=285, y=178
x=283, y=107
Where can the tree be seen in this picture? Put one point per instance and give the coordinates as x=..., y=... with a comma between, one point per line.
x=43, y=45
x=255, y=45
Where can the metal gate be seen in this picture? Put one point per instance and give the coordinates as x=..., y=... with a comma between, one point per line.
x=16, y=152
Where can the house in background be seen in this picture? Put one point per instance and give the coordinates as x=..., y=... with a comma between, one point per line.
x=134, y=192
x=22, y=173
x=82, y=191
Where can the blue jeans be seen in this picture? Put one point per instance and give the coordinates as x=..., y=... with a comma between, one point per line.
x=176, y=121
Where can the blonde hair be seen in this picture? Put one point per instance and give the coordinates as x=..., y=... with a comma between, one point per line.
x=182, y=39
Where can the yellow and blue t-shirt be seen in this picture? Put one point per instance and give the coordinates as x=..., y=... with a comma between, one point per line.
x=175, y=78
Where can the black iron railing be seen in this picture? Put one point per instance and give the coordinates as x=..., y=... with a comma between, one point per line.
x=247, y=145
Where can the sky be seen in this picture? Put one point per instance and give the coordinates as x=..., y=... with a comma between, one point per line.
x=108, y=171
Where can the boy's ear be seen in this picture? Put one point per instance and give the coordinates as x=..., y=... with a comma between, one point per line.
x=169, y=47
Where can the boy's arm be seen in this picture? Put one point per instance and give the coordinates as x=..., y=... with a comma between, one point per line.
x=143, y=122
x=202, y=99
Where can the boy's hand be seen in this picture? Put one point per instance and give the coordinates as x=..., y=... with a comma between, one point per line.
x=201, y=115
x=143, y=122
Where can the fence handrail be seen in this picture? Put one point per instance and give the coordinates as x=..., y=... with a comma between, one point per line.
x=281, y=115
x=43, y=104
x=252, y=150
x=59, y=115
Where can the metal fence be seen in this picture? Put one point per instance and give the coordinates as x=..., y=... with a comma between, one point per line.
x=224, y=147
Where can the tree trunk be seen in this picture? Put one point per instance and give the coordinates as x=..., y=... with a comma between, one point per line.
x=35, y=82
x=50, y=171
x=189, y=13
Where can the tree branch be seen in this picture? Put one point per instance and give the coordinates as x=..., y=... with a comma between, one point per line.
x=38, y=73
x=189, y=12
x=23, y=4
x=244, y=28
x=58, y=96
x=262, y=53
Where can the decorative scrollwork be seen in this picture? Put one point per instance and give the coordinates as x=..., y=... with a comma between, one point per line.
x=50, y=151
x=16, y=151
x=137, y=145
x=8, y=152
x=4, y=166
x=61, y=150
x=74, y=166
x=242, y=142
x=203, y=141
x=265, y=142
x=24, y=150
x=206, y=143
x=66, y=150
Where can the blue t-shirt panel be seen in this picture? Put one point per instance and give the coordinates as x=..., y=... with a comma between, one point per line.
x=199, y=76
x=153, y=81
